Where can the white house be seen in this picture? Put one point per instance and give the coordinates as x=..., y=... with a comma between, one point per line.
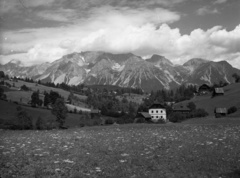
x=157, y=112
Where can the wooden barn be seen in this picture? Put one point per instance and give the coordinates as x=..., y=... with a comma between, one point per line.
x=183, y=109
x=204, y=89
x=220, y=112
x=218, y=92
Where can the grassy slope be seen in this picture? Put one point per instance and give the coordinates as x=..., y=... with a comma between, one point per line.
x=16, y=95
x=230, y=98
x=143, y=150
x=8, y=111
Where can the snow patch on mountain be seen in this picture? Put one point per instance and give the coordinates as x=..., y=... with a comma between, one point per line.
x=60, y=79
x=118, y=67
x=43, y=76
x=75, y=80
x=87, y=70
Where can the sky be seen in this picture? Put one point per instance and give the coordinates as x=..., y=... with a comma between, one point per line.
x=35, y=31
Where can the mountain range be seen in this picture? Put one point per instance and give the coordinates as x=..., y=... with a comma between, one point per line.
x=125, y=70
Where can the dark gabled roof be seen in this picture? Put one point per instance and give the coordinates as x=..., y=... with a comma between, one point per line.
x=156, y=105
x=204, y=87
x=180, y=107
x=221, y=110
x=218, y=90
x=145, y=114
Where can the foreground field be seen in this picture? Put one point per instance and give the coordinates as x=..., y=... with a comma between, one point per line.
x=143, y=150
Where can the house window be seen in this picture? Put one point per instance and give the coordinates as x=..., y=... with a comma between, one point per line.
x=156, y=117
x=152, y=111
x=153, y=117
x=161, y=111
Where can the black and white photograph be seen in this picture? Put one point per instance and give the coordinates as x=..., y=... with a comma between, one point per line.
x=119, y=88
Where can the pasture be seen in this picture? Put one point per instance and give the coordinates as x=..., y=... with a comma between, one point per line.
x=230, y=98
x=16, y=95
x=134, y=150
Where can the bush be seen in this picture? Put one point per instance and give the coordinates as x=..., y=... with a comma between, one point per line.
x=25, y=88
x=40, y=124
x=232, y=109
x=139, y=120
x=108, y=121
x=176, y=117
x=199, y=113
x=24, y=121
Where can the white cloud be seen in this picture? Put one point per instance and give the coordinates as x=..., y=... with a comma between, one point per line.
x=207, y=10
x=119, y=30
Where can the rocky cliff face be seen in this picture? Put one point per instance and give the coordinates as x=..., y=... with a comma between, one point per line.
x=126, y=70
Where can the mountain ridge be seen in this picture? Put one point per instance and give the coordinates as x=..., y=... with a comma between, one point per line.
x=125, y=70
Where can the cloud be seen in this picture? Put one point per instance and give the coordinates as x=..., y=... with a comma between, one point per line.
x=207, y=10
x=142, y=31
x=219, y=1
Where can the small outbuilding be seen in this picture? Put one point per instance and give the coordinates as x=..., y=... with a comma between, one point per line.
x=180, y=108
x=142, y=116
x=218, y=92
x=95, y=113
x=220, y=112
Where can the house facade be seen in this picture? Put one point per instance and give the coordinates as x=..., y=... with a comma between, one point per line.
x=157, y=112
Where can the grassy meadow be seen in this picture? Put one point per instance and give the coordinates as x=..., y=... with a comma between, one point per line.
x=16, y=95
x=230, y=98
x=139, y=150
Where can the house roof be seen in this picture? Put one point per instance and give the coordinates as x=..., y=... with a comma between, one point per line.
x=204, y=87
x=221, y=110
x=180, y=107
x=218, y=90
x=145, y=114
x=156, y=105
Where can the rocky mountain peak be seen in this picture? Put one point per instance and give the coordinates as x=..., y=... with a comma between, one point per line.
x=159, y=60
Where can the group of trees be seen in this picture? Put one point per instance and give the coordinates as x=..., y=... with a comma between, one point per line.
x=193, y=113
x=35, y=100
x=162, y=96
x=236, y=77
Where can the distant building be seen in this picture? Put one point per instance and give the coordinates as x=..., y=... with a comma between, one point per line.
x=143, y=115
x=220, y=112
x=95, y=113
x=218, y=92
x=157, y=112
x=180, y=108
x=204, y=89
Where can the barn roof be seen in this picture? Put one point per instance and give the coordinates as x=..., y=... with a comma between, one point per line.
x=180, y=107
x=221, y=110
x=145, y=114
x=219, y=90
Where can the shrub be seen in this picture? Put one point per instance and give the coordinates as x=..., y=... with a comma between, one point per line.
x=232, y=109
x=191, y=106
x=25, y=88
x=23, y=120
x=199, y=113
x=108, y=121
x=139, y=120
x=176, y=117
x=40, y=123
